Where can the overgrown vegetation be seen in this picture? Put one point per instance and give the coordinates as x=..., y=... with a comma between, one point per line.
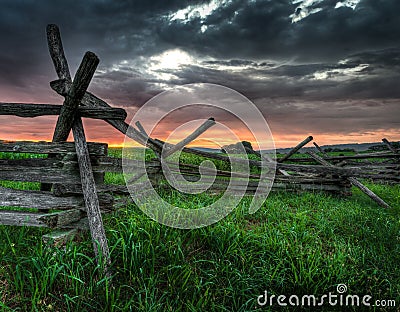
x=299, y=244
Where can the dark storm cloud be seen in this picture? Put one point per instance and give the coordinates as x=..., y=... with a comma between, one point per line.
x=262, y=30
x=332, y=59
x=238, y=33
x=114, y=30
x=344, y=80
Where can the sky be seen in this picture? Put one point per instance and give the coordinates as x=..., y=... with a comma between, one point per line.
x=325, y=68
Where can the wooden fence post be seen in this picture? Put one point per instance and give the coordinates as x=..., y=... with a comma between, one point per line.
x=390, y=146
x=68, y=119
x=353, y=181
x=295, y=149
x=90, y=195
x=320, y=149
x=200, y=130
x=74, y=97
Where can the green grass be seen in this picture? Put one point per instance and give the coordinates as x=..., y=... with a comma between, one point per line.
x=295, y=244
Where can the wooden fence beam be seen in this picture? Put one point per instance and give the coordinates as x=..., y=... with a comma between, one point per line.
x=199, y=131
x=57, y=52
x=35, y=110
x=61, y=218
x=144, y=133
x=21, y=218
x=320, y=149
x=295, y=149
x=60, y=237
x=141, y=128
x=266, y=158
x=38, y=174
x=74, y=97
x=390, y=146
x=90, y=195
x=96, y=149
x=76, y=93
x=46, y=200
x=351, y=157
x=353, y=181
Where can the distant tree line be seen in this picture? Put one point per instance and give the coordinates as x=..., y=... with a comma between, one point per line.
x=330, y=149
x=383, y=147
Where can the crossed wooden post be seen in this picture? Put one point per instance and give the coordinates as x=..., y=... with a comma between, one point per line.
x=68, y=119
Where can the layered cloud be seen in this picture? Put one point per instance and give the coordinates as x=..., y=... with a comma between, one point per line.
x=318, y=66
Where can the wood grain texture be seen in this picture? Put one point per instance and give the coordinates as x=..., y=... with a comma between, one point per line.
x=60, y=237
x=57, y=52
x=199, y=131
x=28, y=110
x=353, y=181
x=90, y=195
x=96, y=149
x=46, y=200
x=74, y=97
x=295, y=149
x=19, y=218
x=61, y=218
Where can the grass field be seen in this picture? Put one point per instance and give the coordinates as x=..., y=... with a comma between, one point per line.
x=296, y=244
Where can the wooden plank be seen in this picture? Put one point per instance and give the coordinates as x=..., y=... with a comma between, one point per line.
x=61, y=65
x=320, y=149
x=318, y=169
x=74, y=97
x=37, y=199
x=353, y=181
x=38, y=174
x=60, y=237
x=73, y=189
x=99, y=149
x=313, y=187
x=368, y=192
x=350, y=157
x=61, y=218
x=295, y=149
x=377, y=176
x=45, y=174
x=265, y=157
x=53, y=165
x=141, y=128
x=19, y=218
x=31, y=162
x=292, y=179
x=144, y=133
x=36, y=110
x=57, y=52
x=171, y=149
x=390, y=146
x=90, y=195
x=46, y=200
x=193, y=169
x=251, y=189
x=111, y=164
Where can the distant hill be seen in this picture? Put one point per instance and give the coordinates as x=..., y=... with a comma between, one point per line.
x=358, y=147
x=206, y=149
